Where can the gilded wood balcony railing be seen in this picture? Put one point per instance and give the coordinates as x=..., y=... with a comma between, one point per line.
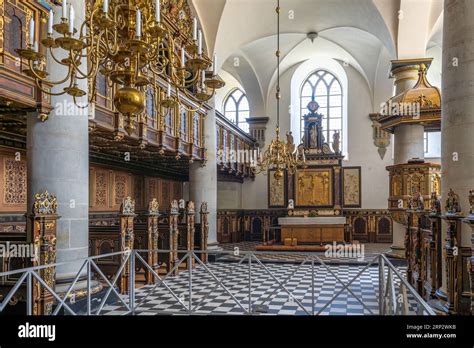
x=236, y=150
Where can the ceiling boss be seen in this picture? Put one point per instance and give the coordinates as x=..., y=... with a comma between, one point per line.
x=132, y=43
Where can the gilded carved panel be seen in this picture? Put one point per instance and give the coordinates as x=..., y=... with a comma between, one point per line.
x=436, y=184
x=15, y=181
x=101, y=189
x=415, y=183
x=397, y=185
x=314, y=187
x=120, y=188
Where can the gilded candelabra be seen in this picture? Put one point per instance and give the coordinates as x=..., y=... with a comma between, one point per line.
x=131, y=44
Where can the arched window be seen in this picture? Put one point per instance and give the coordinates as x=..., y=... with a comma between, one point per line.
x=326, y=90
x=237, y=110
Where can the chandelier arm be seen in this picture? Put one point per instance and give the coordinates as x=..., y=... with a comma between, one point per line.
x=192, y=110
x=51, y=52
x=192, y=82
x=89, y=74
x=38, y=83
x=43, y=80
x=116, y=47
x=157, y=73
x=81, y=106
x=82, y=32
x=103, y=40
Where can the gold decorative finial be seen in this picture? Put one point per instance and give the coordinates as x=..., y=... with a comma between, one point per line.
x=452, y=203
x=45, y=204
x=153, y=207
x=128, y=206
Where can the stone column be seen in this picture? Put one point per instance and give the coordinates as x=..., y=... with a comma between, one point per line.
x=58, y=160
x=408, y=144
x=457, y=145
x=203, y=179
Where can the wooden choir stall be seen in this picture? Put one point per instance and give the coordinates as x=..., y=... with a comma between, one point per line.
x=162, y=239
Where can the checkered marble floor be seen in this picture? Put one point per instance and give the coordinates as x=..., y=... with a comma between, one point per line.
x=267, y=297
x=370, y=251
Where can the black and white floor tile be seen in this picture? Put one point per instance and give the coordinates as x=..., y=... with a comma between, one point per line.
x=371, y=250
x=271, y=284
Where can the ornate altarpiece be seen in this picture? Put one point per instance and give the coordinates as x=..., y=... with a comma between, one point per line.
x=316, y=189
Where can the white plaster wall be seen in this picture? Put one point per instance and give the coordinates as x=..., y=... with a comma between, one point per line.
x=229, y=195
x=362, y=151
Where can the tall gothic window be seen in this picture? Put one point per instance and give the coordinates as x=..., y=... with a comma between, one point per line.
x=326, y=90
x=237, y=110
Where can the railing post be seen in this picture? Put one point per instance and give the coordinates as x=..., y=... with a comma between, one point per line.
x=204, y=231
x=173, y=237
x=88, y=287
x=381, y=286
x=404, y=298
x=29, y=294
x=190, y=284
x=43, y=220
x=132, y=282
x=250, y=284
x=127, y=236
x=152, y=228
x=312, y=286
x=190, y=228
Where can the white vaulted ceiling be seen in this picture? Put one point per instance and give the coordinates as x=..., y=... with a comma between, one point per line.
x=358, y=32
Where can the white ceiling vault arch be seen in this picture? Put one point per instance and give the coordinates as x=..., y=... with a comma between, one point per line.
x=359, y=32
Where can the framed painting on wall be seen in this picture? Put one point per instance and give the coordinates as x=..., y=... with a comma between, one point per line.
x=351, y=184
x=277, y=191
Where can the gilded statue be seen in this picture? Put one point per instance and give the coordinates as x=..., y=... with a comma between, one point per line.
x=190, y=208
x=174, y=207
x=290, y=142
x=416, y=202
x=336, y=142
x=452, y=203
x=128, y=206
x=153, y=207
x=435, y=204
x=313, y=137
x=204, y=207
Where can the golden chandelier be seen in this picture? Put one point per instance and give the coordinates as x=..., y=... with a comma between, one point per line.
x=280, y=156
x=132, y=45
